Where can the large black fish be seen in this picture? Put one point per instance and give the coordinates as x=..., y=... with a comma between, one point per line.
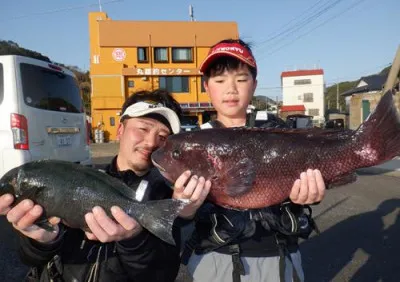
x=256, y=168
x=69, y=191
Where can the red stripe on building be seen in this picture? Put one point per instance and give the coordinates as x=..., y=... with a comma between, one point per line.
x=292, y=108
x=302, y=72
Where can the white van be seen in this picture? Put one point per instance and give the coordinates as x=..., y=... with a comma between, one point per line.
x=41, y=114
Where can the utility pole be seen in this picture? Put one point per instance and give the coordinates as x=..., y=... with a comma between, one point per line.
x=100, y=6
x=337, y=95
x=393, y=73
x=191, y=13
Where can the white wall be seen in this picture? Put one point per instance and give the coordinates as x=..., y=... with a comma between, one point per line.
x=293, y=94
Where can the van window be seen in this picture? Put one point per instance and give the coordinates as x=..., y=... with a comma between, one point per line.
x=47, y=89
x=1, y=84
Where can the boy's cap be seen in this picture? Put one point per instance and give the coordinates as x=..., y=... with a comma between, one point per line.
x=228, y=49
x=144, y=108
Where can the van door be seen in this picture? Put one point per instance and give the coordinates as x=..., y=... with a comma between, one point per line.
x=50, y=101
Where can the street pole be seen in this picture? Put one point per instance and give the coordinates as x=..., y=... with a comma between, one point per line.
x=337, y=95
x=393, y=73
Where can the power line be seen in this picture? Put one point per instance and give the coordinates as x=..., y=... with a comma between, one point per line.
x=58, y=10
x=303, y=22
x=318, y=26
x=276, y=33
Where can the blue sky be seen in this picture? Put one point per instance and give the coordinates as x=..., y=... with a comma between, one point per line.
x=347, y=38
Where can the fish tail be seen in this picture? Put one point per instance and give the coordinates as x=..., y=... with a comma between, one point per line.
x=379, y=135
x=158, y=217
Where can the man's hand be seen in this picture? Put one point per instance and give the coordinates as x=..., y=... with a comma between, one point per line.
x=105, y=229
x=309, y=189
x=23, y=217
x=5, y=203
x=196, y=190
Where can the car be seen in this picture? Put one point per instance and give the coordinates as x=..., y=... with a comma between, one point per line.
x=299, y=121
x=335, y=123
x=263, y=119
x=41, y=114
x=189, y=127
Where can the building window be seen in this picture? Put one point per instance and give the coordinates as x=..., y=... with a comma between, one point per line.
x=202, y=84
x=182, y=55
x=161, y=55
x=175, y=84
x=142, y=54
x=308, y=97
x=300, y=97
x=313, y=112
x=131, y=83
x=302, y=81
x=112, y=121
x=96, y=59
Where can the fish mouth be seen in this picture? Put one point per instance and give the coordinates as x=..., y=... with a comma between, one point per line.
x=163, y=172
x=159, y=167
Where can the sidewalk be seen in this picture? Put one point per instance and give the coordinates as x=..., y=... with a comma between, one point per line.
x=391, y=168
x=101, y=150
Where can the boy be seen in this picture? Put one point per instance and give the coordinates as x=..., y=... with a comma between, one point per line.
x=254, y=252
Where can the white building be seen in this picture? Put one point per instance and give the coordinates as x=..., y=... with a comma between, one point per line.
x=305, y=87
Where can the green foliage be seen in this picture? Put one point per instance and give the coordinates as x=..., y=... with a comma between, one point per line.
x=259, y=103
x=83, y=78
x=331, y=94
x=262, y=103
x=12, y=48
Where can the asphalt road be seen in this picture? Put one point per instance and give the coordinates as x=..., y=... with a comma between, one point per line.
x=359, y=240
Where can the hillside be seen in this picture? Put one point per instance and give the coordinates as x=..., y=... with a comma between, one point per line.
x=12, y=48
x=331, y=94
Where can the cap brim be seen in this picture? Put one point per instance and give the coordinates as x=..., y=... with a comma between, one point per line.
x=212, y=57
x=169, y=114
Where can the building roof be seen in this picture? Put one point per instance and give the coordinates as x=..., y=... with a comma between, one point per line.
x=164, y=33
x=374, y=83
x=302, y=72
x=292, y=108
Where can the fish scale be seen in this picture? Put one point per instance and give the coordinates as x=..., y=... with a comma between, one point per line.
x=256, y=167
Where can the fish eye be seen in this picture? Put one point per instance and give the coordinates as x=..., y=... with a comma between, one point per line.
x=176, y=154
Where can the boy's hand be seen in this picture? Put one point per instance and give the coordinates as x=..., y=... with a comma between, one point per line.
x=309, y=189
x=196, y=190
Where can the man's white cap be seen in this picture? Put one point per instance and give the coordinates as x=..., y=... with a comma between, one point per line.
x=140, y=109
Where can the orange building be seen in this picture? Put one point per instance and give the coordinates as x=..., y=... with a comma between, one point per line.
x=127, y=56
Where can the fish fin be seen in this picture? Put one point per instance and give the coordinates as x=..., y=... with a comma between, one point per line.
x=43, y=223
x=343, y=180
x=239, y=178
x=158, y=217
x=380, y=132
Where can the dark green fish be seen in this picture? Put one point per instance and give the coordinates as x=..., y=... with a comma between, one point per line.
x=69, y=191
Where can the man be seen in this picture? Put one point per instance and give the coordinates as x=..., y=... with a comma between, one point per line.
x=117, y=249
